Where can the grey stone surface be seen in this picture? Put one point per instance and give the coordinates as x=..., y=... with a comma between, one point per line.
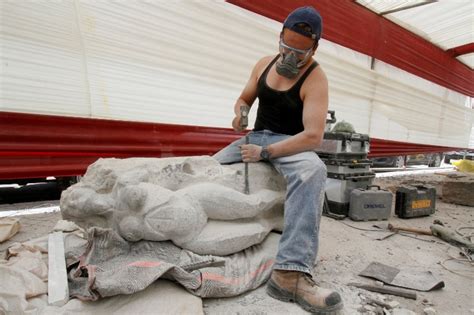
x=194, y=202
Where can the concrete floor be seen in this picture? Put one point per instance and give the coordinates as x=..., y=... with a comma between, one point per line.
x=346, y=248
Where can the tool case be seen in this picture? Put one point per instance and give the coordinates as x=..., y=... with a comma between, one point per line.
x=339, y=187
x=413, y=201
x=367, y=204
x=344, y=144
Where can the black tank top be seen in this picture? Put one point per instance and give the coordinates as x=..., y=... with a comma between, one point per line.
x=280, y=111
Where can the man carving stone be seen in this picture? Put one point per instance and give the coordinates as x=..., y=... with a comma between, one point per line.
x=293, y=101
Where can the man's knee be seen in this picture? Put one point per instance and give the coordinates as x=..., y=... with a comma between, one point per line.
x=315, y=169
x=230, y=154
x=311, y=168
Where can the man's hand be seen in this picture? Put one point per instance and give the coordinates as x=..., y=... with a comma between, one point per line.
x=250, y=152
x=236, y=124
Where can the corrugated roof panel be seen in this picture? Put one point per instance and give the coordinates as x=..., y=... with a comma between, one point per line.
x=384, y=6
x=446, y=24
x=467, y=59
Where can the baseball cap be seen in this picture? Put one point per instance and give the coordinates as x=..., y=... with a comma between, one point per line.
x=309, y=16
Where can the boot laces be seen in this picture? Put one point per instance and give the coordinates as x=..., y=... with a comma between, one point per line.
x=311, y=281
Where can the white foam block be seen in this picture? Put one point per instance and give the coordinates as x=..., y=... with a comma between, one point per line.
x=58, y=290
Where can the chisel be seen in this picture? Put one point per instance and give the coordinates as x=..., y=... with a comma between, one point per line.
x=244, y=122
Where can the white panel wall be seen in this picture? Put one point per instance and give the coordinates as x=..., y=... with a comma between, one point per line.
x=180, y=62
x=42, y=61
x=185, y=62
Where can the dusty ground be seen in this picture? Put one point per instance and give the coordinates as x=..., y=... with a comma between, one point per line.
x=32, y=226
x=345, y=250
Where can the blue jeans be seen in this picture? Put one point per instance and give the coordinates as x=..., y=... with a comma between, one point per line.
x=305, y=175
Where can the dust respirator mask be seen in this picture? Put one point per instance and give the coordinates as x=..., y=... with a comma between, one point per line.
x=291, y=60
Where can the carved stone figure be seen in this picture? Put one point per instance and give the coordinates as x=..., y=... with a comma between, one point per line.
x=195, y=202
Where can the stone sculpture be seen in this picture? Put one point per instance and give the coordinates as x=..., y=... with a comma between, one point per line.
x=195, y=202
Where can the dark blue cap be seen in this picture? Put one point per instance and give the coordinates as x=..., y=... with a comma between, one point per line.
x=309, y=16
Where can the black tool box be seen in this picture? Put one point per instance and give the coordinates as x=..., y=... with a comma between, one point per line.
x=413, y=201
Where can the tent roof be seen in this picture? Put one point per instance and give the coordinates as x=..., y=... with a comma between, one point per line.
x=446, y=24
x=355, y=26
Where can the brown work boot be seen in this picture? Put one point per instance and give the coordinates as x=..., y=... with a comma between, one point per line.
x=299, y=287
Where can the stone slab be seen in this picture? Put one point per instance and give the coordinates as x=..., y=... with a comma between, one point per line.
x=179, y=199
x=459, y=190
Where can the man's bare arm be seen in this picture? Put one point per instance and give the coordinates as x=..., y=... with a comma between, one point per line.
x=249, y=93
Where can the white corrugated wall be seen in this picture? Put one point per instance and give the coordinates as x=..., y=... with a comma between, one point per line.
x=42, y=62
x=185, y=62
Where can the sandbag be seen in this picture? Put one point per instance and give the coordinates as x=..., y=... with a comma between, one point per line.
x=111, y=265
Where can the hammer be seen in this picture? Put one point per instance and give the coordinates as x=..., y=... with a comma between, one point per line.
x=394, y=228
x=244, y=122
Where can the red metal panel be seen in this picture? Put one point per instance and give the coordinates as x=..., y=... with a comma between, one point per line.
x=353, y=26
x=35, y=146
x=381, y=147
